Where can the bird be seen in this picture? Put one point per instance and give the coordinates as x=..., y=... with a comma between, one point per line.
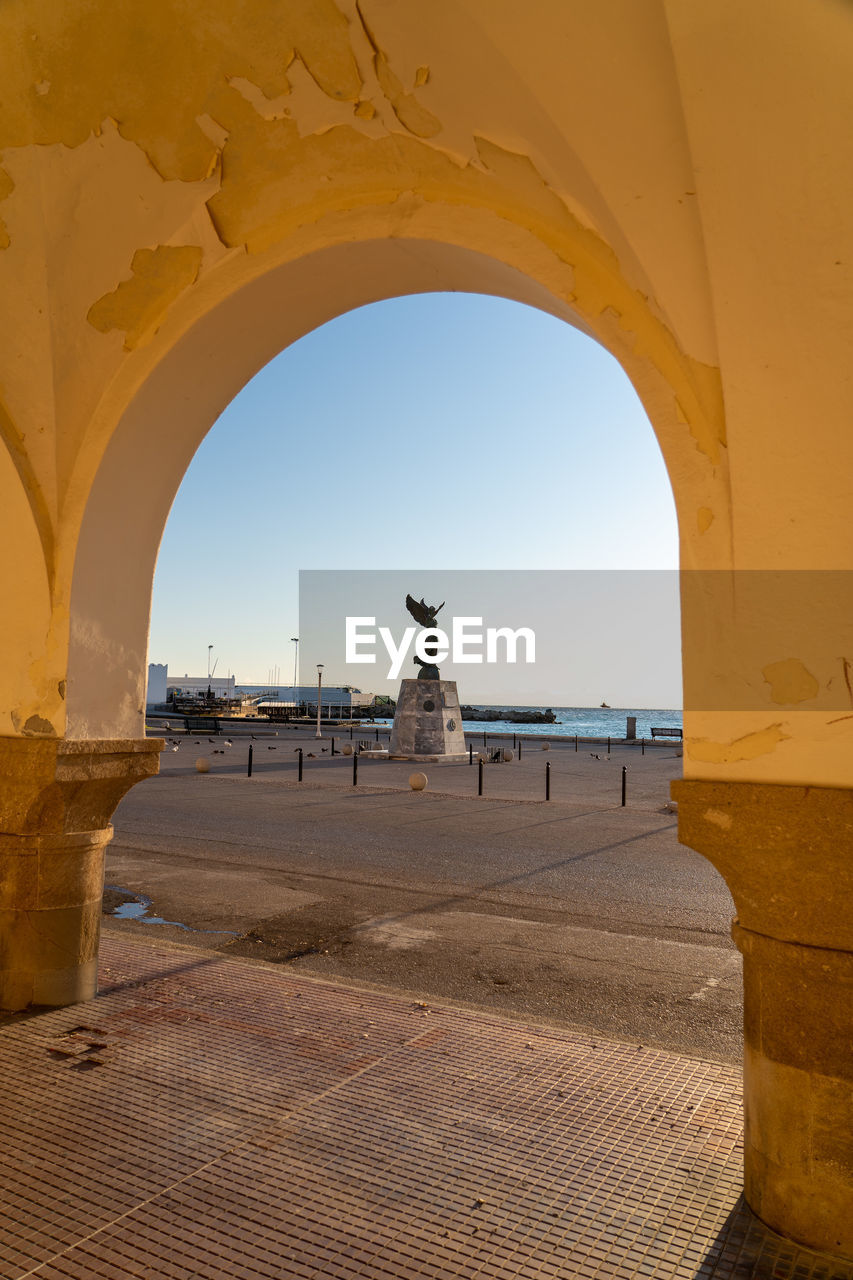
x=311, y=755
x=272, y=748
x=174, y=748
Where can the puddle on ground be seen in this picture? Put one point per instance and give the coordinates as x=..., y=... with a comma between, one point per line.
x=137, y=906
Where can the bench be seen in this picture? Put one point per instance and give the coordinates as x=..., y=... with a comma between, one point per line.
x=667, y=733
x=203, y=724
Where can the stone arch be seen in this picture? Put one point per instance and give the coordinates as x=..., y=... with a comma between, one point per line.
x=213, y=354
x=639, y=165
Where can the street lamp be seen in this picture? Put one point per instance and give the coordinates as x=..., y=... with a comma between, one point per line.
x=295, y=640
x=209, y=648
x=318, y=734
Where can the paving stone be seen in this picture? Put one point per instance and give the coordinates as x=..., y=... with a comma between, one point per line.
x=235, y=1122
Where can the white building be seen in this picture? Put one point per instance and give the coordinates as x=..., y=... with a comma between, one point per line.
x=197, y=686
x=161, y=685
x=156, y=695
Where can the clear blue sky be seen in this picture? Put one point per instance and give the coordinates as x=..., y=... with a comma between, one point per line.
x=444, y=431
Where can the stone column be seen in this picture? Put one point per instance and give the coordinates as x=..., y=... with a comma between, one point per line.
x=785, y=853
x=56, y=800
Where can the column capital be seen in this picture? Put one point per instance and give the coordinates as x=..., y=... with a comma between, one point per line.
x=56, y=800
x=784, y=852
x=51, y=786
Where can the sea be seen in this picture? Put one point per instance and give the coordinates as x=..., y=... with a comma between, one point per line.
x=586, y=722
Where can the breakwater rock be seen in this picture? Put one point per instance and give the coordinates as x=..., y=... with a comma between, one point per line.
x=510, y=716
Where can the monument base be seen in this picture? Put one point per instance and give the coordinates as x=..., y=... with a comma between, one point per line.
x=428, y=723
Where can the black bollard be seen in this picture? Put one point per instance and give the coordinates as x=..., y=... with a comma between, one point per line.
x=624, y=783
x=576, y=742
x=333, y=746
x=377, y=735
x=642, y=746
x=470, y=754
x=519, y=748
x=484, y=739
x=547, y=779
x=251, y=753
x=513, y=742
x=299, y=762
x=608, y=746
x=480, y=779
x=355, y=769
x=350, y=733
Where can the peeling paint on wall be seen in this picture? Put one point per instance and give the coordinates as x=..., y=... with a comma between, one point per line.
x=759, y=743
x=139, y=304
x=790, y=681
x=411, y=114
x=38, y=727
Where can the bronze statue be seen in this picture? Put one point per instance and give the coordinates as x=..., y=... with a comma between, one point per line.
x=426, y=615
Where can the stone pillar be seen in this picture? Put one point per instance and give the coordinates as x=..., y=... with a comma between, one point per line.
x=56, y=800
x=785, y=853
x=428, y=722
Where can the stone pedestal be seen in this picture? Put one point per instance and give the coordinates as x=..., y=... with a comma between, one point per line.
x=56, y=800
x=784, y=852
x=428, y=723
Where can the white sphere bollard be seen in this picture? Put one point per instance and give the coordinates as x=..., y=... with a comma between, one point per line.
x=346, y=749
x=417, y=781
x=202, y=764
x=508, y=754
x=546, y=746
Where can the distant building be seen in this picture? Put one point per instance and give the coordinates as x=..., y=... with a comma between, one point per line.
x=341, y=701
x=156, y=695
x=198, y=686
x=162, y=687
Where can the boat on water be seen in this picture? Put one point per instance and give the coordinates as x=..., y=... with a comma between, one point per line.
x=606, y=706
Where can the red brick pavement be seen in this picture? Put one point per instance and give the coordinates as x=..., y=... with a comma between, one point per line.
x=208, y=1117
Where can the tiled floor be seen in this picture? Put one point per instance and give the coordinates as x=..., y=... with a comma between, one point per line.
x=213, y=1118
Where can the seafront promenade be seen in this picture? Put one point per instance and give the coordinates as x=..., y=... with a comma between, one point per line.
x=650, y=763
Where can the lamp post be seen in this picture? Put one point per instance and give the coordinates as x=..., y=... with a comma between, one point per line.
x=209, y=649
x=318, y=734
x=295, y=640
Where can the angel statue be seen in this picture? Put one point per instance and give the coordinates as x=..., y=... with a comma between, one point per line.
x=426, y=615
